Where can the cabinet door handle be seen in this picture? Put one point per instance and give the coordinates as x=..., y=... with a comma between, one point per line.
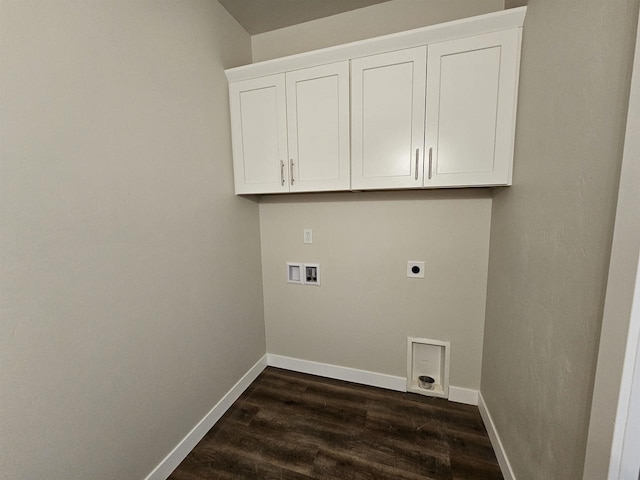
x=417, y=159
x=291, y=170
x=430, y=160
x=281, y=173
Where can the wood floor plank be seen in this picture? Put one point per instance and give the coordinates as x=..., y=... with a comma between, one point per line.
x=288, y=404
x=293, y=426
x=400, y=458
x=466, y=468
x=388, y=427
x=295, y=456
x=231, y=464
x=298, y=427
x=332, y=465
x=470, y=444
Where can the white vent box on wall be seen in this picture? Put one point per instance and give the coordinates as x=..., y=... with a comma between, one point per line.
x=428, y=358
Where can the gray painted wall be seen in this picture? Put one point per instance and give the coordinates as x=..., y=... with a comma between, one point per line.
x=613, y=402
x=551, y=232
x=366, y=307
x=381, y=19
x=130, y=284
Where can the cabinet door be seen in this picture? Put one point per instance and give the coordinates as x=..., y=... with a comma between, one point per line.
x=387, y=119
x=259, y=135
x=318, y=127
x=471, y=102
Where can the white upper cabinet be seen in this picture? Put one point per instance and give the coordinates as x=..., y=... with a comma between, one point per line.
x=471, y=106
x=291, y=131
x=432, y=107
x=259, y=135
x=318, y=128
x=387, y=119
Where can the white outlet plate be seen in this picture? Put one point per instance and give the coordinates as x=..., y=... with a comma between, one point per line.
x=411, y=266
x=308, y=235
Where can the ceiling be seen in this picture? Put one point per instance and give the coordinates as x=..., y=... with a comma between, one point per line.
x=259, y=16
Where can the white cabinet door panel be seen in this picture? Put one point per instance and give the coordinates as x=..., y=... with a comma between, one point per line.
x=469, y=104
x=258, y=127
x=387, y=119
x=318, y=128
x=471, y=88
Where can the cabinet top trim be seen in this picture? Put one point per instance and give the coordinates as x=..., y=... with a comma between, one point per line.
x=490, y=22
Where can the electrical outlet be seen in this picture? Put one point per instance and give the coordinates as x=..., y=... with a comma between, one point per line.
x=415, y=269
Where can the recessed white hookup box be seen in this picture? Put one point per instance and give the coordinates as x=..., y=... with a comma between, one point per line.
x=311, y=274
x=294, y=273
x=429, y=359
x=303, y=273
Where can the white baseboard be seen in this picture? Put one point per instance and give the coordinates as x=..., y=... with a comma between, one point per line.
x=363, y=377
x=336, y=372
x=505, y=466
x=463, y=395
x=179, y=453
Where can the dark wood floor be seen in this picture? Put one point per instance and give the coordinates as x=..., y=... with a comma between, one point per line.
x=292, y=426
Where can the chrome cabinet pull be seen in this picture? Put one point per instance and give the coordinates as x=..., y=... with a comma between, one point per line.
x=430, y=159
x=417, y=158
x=281, y=173
x=291, y=170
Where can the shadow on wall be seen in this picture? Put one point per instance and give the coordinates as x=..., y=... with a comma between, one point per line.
x=380, y=196
x=515, y=3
